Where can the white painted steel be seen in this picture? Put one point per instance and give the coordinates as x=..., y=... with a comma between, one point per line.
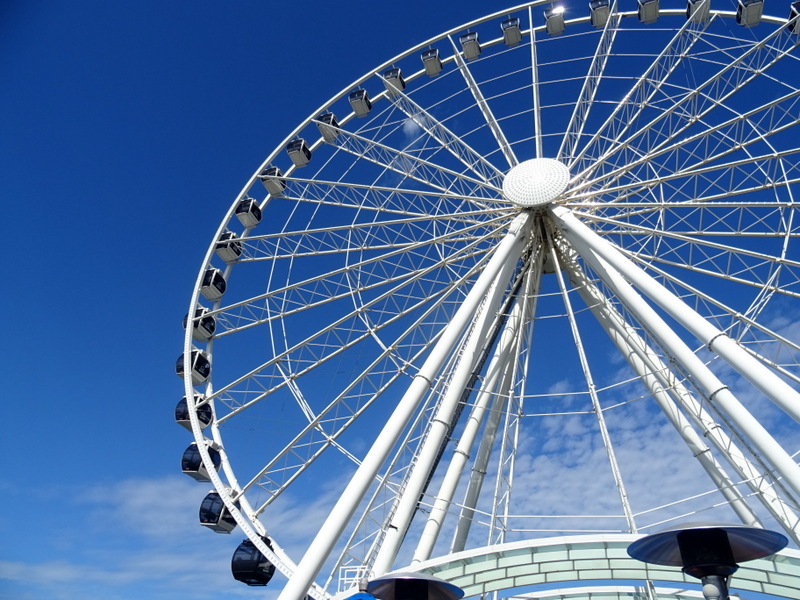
x=340, y=351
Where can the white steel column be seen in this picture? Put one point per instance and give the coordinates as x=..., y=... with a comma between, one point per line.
x=444, y=497
x=716, y=340
x=474, y=346
x=663, y=384
x=652, y=370
x=509, y=249
x=711, y=386
x=501, y=398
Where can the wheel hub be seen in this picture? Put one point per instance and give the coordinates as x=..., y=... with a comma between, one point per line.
x=536, y=182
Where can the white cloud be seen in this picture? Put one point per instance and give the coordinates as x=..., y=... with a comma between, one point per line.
x=133, y=539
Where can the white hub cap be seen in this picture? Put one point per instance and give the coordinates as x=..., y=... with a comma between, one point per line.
x=536, y=182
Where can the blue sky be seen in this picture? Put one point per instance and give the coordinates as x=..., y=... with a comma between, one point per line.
x=127, y=129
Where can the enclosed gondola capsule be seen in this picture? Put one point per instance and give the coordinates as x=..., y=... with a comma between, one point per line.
x=192, y=462
x=248, y=212
x=794, y=18
x=250, y=566
x=360, y=102
x=328, y=127
x=393, y=81
x=599, y=11
x=554, y=20
x=470, y=45
x=215, y=515
x=432, y=62
x=749, y=12
x=229, y=248
x=213, y=285
x=698, y=11
x=299, y=152
x=204, y=412
x=648, y=11
x=203, y=325
x=272, y=180
x=512, y=34
x=201, y=366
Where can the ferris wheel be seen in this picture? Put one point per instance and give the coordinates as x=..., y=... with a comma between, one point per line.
x=512, y=298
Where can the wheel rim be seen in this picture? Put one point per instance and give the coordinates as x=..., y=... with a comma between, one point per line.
x=342, y=292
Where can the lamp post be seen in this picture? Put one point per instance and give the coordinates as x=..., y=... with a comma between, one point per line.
x=408, y=586
x=710, y=552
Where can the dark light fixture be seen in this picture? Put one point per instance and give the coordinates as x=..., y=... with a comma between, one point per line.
x=413, y=586
x=710, y=552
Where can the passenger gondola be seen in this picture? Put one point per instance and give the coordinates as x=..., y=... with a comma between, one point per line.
x=512, y=34
x=599, y=11
x=749, y=12
x=393, y=81
x=554, y=20
x=328, y=127
x=248, y=212
x=299, y=152
x=192, y=462
x=470, y=45
x=360, y=102
x=229, y=248
x=215, y=515
x=201, y=366
x=648, y=11
x=432, y=62
x=213, y=285
x=272, y=179
x=204, y=412
x=698, y=11
x=250, y=566
x=794, y=17
x=203, y=325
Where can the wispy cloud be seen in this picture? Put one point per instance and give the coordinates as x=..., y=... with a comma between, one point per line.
x=132, y=539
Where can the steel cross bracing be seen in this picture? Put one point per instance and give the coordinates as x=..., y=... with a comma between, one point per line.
x=711, y=385
x=740, y=326
x=574, y=133
x=337, y=283
x=323, y=543
x=721, y=86
x=677, y=175
x=486, y=111
x=608, y=135
x=737, y=133
x=357, y=396
x=471, y=159
x=749, y=267
x=668, y=391
x=413, y=167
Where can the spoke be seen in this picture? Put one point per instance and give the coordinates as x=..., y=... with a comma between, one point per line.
x=774, y=350
x=483, y=106
x=592, y=389
x=367, y=237
x=338, y=336
x=574, y=133
x=337, y=284
x=722, y=261
x=413, y=167
x=709, y=145
x=471, y=159
x=698, y=101
x=380, y=199
x=626, y=113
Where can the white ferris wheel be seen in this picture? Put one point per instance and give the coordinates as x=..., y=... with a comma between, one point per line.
x=512, y=298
